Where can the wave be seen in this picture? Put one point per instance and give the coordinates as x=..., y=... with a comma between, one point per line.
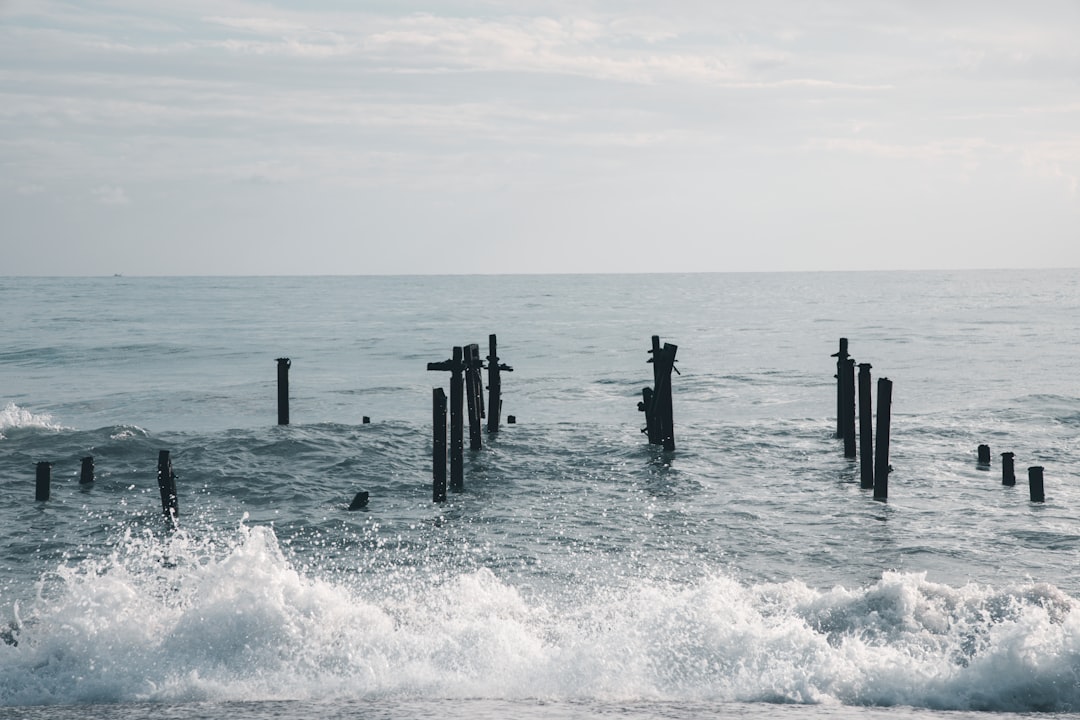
x=13, y=416
x=229, y=617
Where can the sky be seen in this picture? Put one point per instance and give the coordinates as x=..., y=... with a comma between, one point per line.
x=231, y=137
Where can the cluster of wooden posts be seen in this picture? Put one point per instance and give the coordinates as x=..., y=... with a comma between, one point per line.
x=166, y=478
x=874, y=461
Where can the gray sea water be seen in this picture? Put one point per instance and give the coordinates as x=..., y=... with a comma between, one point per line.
x=583, y=572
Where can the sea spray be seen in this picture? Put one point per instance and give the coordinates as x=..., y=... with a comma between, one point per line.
x=228, y=617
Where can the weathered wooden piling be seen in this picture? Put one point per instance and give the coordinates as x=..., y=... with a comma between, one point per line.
x=494, y=369
x=44, y=481
x=984, y=457
x=656, y=401
x=866, y=429
x=881, y=455
x=841, y=358
x=86, y=472
x=849, y=407
x=167, y=485
x=283, y=365
x=438, y=445
x=1035, y=483
x=1008, y=472
x=474, y=390
x=456, y=366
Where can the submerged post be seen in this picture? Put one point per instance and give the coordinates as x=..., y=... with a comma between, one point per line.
x=86, y=473
x=438, y=445
x=881, y=457
x=44, y=481
x=1035, y=483
x=984, y=457
x=167, y=485
x=849, y=407
x=866, y=429
x=283, y=365
x=1008, y=472
x=841, y=357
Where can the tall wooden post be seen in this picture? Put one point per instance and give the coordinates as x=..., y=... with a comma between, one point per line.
x=86, y=471
x=474, y=390
x=167, y=486
x=283, y=365
x=849, y=407
x=866, y=429
x=881, y=458
x=664, y=410
x=43, y=480
x=456, y=366
x=494, y=386
x=438, y=445
x=1035, y=483
x=841, y=357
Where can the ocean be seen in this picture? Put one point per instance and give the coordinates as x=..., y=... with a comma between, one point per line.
x=582, y=573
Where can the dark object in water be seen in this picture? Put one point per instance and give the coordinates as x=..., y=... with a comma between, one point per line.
x=360, y=501
x=44, y=481
x=984, y=456
x=1008, y=473
x=283, y=365
x=86, y=475
x=1035, y=483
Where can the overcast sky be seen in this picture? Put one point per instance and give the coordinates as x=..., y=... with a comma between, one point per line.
x=390, y=136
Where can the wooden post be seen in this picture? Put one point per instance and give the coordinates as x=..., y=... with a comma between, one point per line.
x=984, y=457
x=86, y=473
x=167, y=485
x=44, y=481
x=849, y=407
x=664, y=410
x=456, y=366
x=494, y=386
x=841, y=357
x=866, y=429
x=475, y=392
x=283, y=365
x=649, y=398
x=881, y=457
x=1008, y=472
x=438, y=445
x=1035, y=483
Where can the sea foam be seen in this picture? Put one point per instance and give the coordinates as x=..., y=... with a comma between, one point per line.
x=229, y=618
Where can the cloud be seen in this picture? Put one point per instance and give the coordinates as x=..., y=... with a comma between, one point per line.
x=110, y=195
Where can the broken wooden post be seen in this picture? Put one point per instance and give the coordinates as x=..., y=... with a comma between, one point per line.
x=881, y=457
x=167, y=485
x=849, y=407
x=359, y=501
x=656, y=401
x=866, y=429
x=283, y=365
x=1035, y=483
x=438, y=445
x=984, y=457
x=1008, y=472
x=457, y=429
x=44, y=481
x=86, y=473
x=494, y=386
x=841, y=357
x=474, y=390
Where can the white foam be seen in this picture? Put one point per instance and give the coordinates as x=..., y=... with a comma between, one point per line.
x=13, y=416
x=228, y=618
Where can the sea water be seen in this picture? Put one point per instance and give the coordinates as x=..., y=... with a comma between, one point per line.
x=583, y=572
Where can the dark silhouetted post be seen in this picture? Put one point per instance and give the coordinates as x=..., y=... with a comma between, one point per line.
x=283, y=365
x=438, y=445
x=86, y=474
x=494, y=386
x=849, y=407
x=841, y=357
x=456, y=366
x=1035, y=483
x=866, y=429
x=359, y=501
x=1008, y=473
x=167, y=485
x=881, y=457
x=474, y=389
x=984, y=457
x=663, y=398
x=44, y=481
